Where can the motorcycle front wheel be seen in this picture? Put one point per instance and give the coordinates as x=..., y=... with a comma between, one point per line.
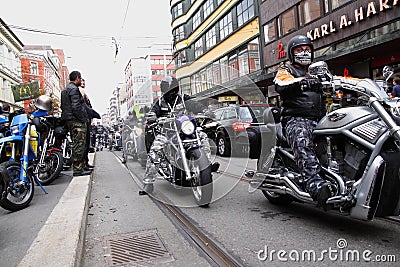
x=201, y=182
x=51, y=169
x=17, y=194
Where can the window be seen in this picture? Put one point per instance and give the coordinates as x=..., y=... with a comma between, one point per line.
x=337, y=3
x=177, y=10
x=219, y=2
x=287, y=22
x=245, y=11
x=309, y=11
x=198, y=48
x=225, y=26
x=224, y=69
x=270, y=31
x=208, y=8
x=34, y=68
x=233, y=67
x=254, y=55
x=196, y=19
x=216, y=73
x=179, y=33
x=243, y=62
x=211, y=38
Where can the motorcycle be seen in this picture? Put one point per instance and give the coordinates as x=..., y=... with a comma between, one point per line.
x=184, y=161
x=134, y=146
x=19, y=185
x=50, y=163
x=358, y=148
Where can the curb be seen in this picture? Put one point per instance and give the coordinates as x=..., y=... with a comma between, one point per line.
x=60, y=241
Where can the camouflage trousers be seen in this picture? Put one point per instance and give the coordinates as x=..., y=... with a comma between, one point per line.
x=299, y=136
x=78, y=136
x=156, y=155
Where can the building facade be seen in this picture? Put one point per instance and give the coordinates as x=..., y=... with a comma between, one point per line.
x=217, y=49
x=355, y=38
x=160, y=66
x=10, y=63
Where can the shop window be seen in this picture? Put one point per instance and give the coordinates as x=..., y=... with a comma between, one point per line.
x=224, y=69
x=287, y=22
x=254, y=55
x=210, y=82
x=211, y=38
x=203, y=80
x=243, y=62
x=216, y=73
x=309, y=11
x=233, y=67
x=245, y=11
x=270, y=31
x=226, y=26
x=184, y=85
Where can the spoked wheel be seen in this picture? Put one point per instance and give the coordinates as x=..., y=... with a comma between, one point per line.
x=51, y=169
x=201, y=181
x=17, y=194
x=274, y=198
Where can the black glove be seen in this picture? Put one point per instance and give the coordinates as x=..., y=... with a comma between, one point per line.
x=310, y=83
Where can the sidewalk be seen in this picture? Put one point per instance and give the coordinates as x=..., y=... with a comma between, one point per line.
x=97, y=214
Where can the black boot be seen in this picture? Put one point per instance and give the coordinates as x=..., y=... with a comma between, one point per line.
x=325, y=191
x=215, y=166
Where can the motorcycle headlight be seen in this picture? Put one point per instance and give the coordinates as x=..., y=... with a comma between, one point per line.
x=187, y=127
x=15, y=129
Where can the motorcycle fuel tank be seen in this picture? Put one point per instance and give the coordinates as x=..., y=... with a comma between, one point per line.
x=345, y=116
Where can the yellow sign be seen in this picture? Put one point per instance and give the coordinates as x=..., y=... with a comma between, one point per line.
x=227, y=98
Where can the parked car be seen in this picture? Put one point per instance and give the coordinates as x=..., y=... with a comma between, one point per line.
x=238, y=130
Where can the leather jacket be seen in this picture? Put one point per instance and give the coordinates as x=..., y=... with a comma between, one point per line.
x=298, y=101
x=162, y=107
x=73, y=105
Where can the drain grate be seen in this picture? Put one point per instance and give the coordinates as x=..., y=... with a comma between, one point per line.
x=136, y=249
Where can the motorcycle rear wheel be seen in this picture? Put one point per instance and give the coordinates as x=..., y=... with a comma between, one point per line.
x=17, y=195
x=53, y=165
x=201, y=182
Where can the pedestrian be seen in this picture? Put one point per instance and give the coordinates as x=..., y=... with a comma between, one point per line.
x=303, y=106
x=88, y=125
x=396, y=87
x=73, y=112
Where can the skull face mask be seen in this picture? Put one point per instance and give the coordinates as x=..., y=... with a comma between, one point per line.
x=303, y=58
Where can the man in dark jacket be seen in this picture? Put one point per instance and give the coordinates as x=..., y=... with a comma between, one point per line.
x=396, y=87
x=75, y=114
x=303, y=106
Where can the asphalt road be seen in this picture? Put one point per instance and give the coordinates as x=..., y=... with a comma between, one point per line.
x=20, y=228
x=255, y=230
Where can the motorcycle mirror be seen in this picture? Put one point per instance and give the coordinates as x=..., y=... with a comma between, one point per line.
x=320, y=69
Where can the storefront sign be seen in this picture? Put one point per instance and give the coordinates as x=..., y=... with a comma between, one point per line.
x=227, y=98
x=281, y=51
x=360, y=14
x=25, y=91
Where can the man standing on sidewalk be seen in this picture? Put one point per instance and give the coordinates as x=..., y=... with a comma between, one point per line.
x=75, y=114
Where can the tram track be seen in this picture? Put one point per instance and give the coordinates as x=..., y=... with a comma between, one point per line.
x=214, y=252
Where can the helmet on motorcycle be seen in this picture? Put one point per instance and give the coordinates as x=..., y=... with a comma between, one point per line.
x=300, y=40
x=44, y=102
x=169, y=85
x=61, y=131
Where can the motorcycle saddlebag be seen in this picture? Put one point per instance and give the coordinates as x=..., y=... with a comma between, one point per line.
x=389, y=202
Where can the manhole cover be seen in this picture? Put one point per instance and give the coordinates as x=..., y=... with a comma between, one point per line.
x=136, y=249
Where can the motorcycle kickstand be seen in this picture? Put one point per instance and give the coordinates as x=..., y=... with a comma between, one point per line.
x=39, y=183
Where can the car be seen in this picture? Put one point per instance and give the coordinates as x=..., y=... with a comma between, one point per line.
x=238, y=130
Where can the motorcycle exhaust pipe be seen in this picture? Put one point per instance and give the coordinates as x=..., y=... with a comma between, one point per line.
x=279, y=184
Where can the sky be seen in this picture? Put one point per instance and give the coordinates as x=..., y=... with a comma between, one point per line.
x=141, y=27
